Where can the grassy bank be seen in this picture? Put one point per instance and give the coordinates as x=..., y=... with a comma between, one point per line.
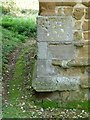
x=15, y=30
x=19, y=100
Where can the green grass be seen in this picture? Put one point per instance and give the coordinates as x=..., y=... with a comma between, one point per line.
x=22, y=25
x=15, y=30
x=13, y=109
x=68, y=105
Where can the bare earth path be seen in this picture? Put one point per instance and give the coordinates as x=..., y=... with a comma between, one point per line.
x=19, y=99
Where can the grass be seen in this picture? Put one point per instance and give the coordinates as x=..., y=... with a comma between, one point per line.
x=15, y=30
x=68, y=105
x=22, y=25
x=17, y=90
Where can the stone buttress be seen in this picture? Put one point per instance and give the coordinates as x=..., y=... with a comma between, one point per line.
x=63, y=49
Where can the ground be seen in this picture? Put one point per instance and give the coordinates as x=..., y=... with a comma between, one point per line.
x=19, y=98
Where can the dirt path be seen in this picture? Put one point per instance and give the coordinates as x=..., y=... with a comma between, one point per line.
x=22, y=56
x=8, y=73
x=18, y=96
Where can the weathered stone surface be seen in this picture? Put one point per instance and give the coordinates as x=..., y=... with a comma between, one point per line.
x=87, y=13
x=68, y=10
x=83, y=52
x=86, y=3
x=78, y=63
x=87, y=71
x=49, y=51
x=77, y=25
x=71, y=63
x=54, y=28
x=63, y=55
x=86, y=35
x=63, y=3
x=42, y=50
x=84, y=81
x=58, y=11
x=44, y=68
x=86, y=25
x=80, y=43
x=62, y=52
x=73, y=71
x=78, y=13
x=77, y=35
x=48, y=8
x=75, y=95
x=54, y=83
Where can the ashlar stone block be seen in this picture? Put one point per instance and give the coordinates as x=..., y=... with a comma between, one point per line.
x=62, y=52
x=54, y=28
x=59, y=51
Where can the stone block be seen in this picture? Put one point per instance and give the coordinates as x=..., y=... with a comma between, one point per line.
x=75, y=95
x=61, y=52
x=67, y=83
x=87, y=13
x=56, y=83
x=44, y=84
x=47, y=8
x=68, y=10
x=83, y=52
x=77, y=35
x=58, y=10
x=78, y=63
x=66, y=70
x=84, y=81
x=86, y=25
x=54, y=28
x=49, y=51
x=78, y=13
x=77, y=25
x=42, y=50
x=86, y=35
x=44, y=68
x=71, y=63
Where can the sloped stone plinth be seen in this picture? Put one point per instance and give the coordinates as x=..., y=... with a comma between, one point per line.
x=56, y=83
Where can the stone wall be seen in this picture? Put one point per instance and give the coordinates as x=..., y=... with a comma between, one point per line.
x=63, y=49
